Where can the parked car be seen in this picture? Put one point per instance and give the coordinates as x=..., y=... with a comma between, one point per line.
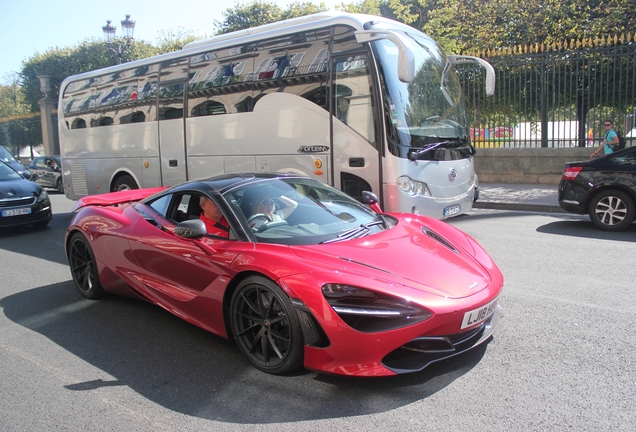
x=22, y=202
x=330, y=284
x=7, y=158
x=47, y=172
x=604, y=188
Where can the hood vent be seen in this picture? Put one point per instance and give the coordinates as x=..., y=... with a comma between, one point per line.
x=438, y=238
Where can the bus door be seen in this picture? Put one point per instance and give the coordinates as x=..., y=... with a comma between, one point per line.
x=172, y=150
x=355, y=144
x=171, y=116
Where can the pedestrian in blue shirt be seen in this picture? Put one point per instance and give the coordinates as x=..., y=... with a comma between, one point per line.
x=610, y=140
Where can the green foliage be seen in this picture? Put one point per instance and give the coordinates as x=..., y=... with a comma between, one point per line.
x=174, y=40
x=59, y=63
x=256, y=13
x=12, y=98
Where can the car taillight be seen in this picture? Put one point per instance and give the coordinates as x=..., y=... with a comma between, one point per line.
x=571, y=173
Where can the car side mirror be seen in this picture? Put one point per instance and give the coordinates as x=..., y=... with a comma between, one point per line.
x=371, y=200
x=192, y=229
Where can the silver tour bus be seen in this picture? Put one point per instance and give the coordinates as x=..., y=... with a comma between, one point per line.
x=360, y=102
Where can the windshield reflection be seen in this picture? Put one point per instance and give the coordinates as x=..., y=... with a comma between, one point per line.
x=419, y=113
x=320, y=213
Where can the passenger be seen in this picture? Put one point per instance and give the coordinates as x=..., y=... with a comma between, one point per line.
x=265, y=204
x=215, y=222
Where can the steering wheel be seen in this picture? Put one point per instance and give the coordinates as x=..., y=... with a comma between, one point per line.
x=257, y=221
x=269, y=225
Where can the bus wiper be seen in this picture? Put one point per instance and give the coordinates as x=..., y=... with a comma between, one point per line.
x=359, y=231
x=414, y=155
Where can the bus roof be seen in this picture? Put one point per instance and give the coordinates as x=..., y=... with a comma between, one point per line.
x=298, y=24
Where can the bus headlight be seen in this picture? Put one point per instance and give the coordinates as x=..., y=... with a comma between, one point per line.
x=412, y=187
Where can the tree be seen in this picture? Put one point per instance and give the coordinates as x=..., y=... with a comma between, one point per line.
x=12, y=98
x=60, y=63
x=174, y=40
x=248, y=15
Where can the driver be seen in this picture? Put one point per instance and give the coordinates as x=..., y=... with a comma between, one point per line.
x=264, y=204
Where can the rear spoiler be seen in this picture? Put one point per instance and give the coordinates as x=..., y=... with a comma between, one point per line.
x=117, y=198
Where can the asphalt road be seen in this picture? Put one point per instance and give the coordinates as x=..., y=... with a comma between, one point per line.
x=562, y=358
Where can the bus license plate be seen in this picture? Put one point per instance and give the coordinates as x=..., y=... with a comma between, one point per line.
x=452, y=210
x=479, y=315
x=16, y=212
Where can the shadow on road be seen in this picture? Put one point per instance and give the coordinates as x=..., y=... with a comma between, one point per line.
x=191, y=371
x=585, y=229
x=44, y=243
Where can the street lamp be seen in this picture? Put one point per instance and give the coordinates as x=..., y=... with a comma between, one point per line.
x=109, y=30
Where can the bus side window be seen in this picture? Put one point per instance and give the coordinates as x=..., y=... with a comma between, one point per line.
x=295, y=64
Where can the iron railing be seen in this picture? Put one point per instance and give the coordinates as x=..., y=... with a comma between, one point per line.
x=556, y=96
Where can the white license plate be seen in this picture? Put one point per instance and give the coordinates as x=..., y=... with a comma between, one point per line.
x=479, y=315
x=449, y=211
x=16, y=212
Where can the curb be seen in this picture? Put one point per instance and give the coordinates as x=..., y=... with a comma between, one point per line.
x=518, y=207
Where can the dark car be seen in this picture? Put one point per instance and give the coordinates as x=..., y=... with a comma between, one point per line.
x=604, y=188
x=22, y=202
x=6, y=157
x=47, y=172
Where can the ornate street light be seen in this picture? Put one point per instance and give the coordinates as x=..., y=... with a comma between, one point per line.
x=109, y=30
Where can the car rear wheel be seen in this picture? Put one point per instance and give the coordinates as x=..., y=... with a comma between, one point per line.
x=59, y=185
x=84, y=268
x=612, y=210
x=265, y=326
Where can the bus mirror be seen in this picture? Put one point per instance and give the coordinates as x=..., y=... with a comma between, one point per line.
x=406, y=57
x=490, y=72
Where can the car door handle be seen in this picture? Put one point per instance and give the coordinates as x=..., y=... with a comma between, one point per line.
x=356, y=162
x=173, y=163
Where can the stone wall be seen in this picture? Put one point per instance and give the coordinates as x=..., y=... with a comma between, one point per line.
x=525, y=165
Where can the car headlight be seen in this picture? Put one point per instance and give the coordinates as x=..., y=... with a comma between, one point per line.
x=370, y=311
x=43, y=195
x=412, y=187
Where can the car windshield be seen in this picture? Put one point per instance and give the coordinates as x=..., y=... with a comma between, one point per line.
x=420, y=113
x=7, y=173
x=5, y=156
x=301, y=211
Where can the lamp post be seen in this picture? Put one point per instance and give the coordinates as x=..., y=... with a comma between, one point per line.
x=109, y=30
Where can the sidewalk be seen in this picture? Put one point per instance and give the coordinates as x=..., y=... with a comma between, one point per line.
x=522, y=197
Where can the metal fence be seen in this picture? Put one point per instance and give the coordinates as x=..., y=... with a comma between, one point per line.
x=555, y=96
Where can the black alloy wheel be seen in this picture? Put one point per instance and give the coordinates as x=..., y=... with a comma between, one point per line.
x=612, y=210
x=84, y=268
x=265, y=326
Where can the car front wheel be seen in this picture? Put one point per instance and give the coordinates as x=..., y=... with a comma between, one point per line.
x=612, y=210
x=265, y=326
x=84, y=268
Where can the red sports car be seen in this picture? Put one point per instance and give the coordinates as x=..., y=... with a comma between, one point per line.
x=296, y=272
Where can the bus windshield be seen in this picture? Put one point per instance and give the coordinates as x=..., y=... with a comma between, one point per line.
x=419, y=114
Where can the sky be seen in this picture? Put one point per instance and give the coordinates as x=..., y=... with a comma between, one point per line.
x=30, y=26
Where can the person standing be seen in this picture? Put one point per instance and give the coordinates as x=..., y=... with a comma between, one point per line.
x=610, y=140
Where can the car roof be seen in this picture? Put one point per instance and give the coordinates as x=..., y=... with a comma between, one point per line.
x=225, y=182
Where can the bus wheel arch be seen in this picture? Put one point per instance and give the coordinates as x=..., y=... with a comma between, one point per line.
x=123, y=181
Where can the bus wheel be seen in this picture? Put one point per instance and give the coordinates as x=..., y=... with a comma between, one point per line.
x=124, y=182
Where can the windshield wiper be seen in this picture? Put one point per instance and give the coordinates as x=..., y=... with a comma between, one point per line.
x=359, y=231
x=413, y=156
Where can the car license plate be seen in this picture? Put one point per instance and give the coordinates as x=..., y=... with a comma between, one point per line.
x=449, y=211
x=479, y=315
x=16, y=212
